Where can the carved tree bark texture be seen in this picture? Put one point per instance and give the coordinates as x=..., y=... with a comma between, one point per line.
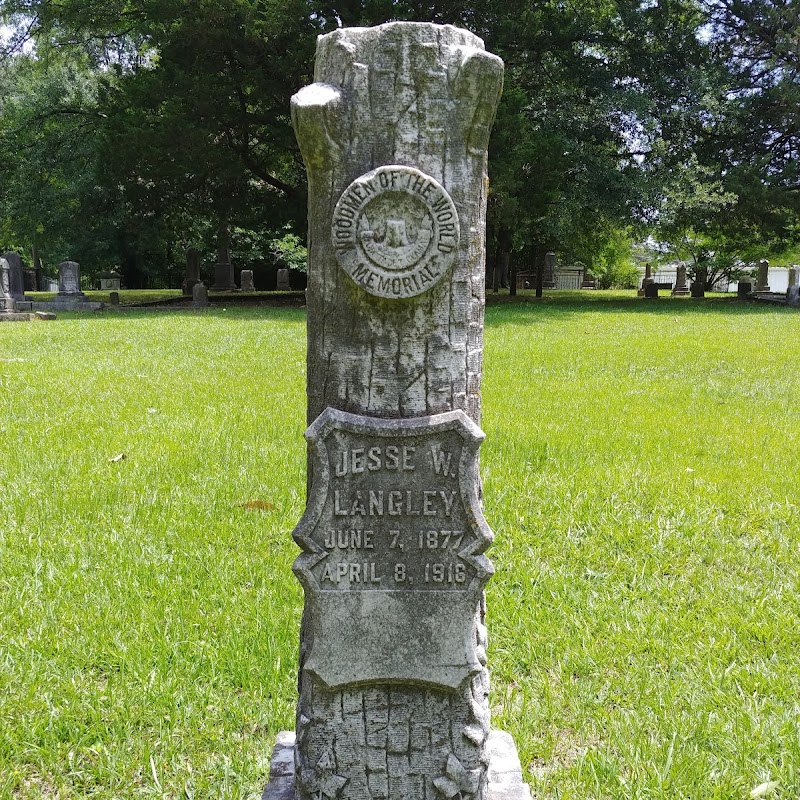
x=421, y=96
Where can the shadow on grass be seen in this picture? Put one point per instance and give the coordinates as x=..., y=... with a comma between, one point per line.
x=526, y=308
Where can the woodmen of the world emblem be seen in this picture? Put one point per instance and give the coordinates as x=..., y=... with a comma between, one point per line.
x=395, y=231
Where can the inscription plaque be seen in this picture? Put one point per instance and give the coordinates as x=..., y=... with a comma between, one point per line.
x=393, y=540
x=395, y=231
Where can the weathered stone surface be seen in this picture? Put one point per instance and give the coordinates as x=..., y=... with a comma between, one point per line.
x=697, y=289
x=283, y=284
x=395, y=231
x=110, y=282
x=7, y=302
x=681, y=285
x=247, y=281
x=224, y=280
x=762, y=280
x=549, y=280
x=651, y=289
x=200, y=295
x=393, y=536
x=69, y=283
x=15, y=277
x=410, y=103
x=505, y=781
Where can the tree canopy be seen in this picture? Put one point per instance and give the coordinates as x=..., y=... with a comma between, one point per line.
x=131, y=130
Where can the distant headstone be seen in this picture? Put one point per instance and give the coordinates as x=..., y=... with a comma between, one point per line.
x=697, y=289
x=247, y=281
x=199, y=295
x=651, y=289
x=793, y=292
x=744, y=288
x=224, y=280
x=393, y=679
x=648, y=278
x=549, y=280
x=29, y=280
x=69, y=282
x=681, y=285
x=110, y=281
x=7, y=302
x=192, y=271
x=113, y=298
x=16, y=280
x=762, y=281
x=283, y=280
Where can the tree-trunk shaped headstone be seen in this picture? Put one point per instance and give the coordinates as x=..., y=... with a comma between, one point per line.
x=393, y=682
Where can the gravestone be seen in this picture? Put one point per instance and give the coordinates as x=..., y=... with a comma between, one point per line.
x=69, y=283
x=793, y=291
x=648, y=278
x=224, y=280
x=651, y=289
x=697, y=289
x=762, y=279
x=113, y=298
x=283, y=284
x=393, y=682
x=7, y=302
x=192, y=271
x=549, y=280
x=743, y=289
x=110, y=281
x=199, y=295
x=681, y=286
x=16, y=280
x=247, y=281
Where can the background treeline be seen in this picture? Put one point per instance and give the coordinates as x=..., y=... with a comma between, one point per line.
x=132, y=129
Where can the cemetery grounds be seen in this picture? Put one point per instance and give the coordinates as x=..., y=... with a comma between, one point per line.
x=640, y=473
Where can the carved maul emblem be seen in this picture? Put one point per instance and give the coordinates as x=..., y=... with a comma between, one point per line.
x=393, y=540
x=395, y=231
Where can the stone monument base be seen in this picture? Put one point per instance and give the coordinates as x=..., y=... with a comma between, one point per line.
x=68, y=305
x=505, y=772
x=15, y=316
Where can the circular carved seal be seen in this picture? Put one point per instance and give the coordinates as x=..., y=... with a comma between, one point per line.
x=395, y=231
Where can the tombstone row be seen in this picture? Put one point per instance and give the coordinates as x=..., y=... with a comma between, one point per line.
x=12, y=284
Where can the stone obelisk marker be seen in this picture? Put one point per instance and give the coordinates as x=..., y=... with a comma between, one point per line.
x=393, y=682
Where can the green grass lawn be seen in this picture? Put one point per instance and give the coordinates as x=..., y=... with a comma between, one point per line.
x=640, y=472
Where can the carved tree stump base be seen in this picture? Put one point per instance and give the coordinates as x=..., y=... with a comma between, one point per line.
x=505, y=771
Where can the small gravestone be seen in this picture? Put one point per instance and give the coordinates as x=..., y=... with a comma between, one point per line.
x=15, y=278
x=283, y=280
x=110, y=281
x=113, y=298
x=697, y=289
x=651, y=289
x=192, y=277
x=549, y=280
x=744, y=288
x=793, y=290
x=199, y=295
x=69, y=283
x=762, y=279
x=681, y=285
x=393, y=679
x=247, y=281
